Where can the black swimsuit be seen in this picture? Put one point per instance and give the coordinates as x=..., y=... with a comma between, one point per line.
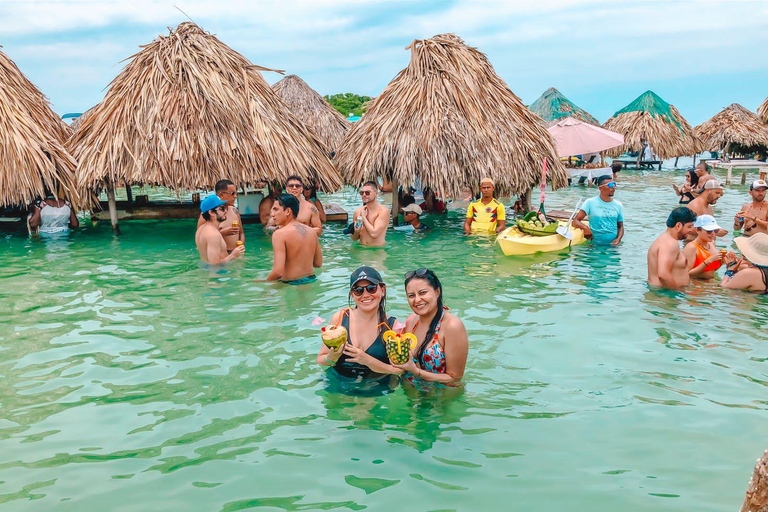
x=377, y=350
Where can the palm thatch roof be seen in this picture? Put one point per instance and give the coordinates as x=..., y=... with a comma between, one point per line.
x=762, y=111
x=650, y=118
x=449, y=120
x=32, y=153
x=732, y=125
x=313, y=110
x=188, y=111
x=552, y=107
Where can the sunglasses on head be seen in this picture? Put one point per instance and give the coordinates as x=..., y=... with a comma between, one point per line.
x=370, y=288
x=417, y=273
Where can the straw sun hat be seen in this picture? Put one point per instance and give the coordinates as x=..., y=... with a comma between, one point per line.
x=754, y=248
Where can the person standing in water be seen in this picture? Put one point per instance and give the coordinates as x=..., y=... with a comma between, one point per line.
x=702, y=256
x=308, y=213
x=751, y=272
x=372, y=219
x=208, y=239
x=753, y=217
x=486, y=215
x=232, y=227
x=709, y=193
x=441, y=355
x=296, y=248
x=411, y=216
x=265, y=207
x=364, y=355
x=310, y=194
x=606, y=215
x=52, y=216
x=667, y=265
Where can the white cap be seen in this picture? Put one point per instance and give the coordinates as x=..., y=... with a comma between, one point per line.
x=758, y=184
x=413, y=208
x=706, y=222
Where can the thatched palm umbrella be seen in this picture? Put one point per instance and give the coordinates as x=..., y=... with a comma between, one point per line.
x=552, y=107
x=732, y=125
x=762, y=111
x=449, y=120
x=650, y=118
x=313, y=110
x=188, y=111
x=32, y=153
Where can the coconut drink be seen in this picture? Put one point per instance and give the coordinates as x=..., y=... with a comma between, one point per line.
x=334, y=337
x=399, y=346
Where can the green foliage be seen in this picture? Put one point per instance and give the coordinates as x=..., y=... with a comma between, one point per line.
x=348, y=103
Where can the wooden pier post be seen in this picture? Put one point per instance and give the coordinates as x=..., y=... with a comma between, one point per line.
x=129, y=193
x=112, y=207
x=395, y=201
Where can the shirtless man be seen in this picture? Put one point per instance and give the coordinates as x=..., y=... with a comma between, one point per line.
x=753, y=216
x=702, y=204
x=208, y=238
x=667, y=265
x=372, y=219
x=702, y=171
x=296, y=247
x=265, y=208
x=308, y=213
x=226, y=191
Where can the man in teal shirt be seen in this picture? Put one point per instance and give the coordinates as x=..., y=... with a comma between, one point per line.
x=606, y=216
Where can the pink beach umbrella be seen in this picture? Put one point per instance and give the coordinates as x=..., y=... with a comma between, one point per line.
x=573, y=137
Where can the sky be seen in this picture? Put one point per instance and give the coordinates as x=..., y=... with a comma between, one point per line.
x=700, y=55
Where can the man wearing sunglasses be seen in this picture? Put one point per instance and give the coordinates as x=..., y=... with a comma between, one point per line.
x=606, y=216
x=372, y=219
x=308, y=213
x=227, y=191
x=208, y=239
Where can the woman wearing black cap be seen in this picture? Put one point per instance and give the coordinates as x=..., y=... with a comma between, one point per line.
x=364, y=354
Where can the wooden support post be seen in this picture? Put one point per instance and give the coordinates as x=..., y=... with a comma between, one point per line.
x=744, y=177
x=129, y=193
x=395, y=201
x=728, y=171
x=756, y=499
x=112, y=208
x=527, y=200
x=676, y=159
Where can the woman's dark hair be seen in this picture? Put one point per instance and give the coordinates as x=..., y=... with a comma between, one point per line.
x=694, y=178
x=434, y=282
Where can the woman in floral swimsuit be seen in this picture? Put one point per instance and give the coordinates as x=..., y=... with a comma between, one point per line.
x=441, y=355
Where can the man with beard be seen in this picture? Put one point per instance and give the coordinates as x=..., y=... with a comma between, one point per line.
x=372, y=219
x=308, y=213
x=667, y=265
x=232, y=228
x=208, y=239
x=296, y=247
x=702, y=204
x=753, y=216
x=606, y=216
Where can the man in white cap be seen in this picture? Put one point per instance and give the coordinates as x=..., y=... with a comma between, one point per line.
x=751, y=272
x=753, y=217
x=486, y=215
x=411, y=214
x=702, y=204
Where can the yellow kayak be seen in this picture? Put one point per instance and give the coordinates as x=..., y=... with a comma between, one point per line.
x=513, y=242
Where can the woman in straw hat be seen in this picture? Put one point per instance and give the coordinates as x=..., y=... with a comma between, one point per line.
x=751, y=272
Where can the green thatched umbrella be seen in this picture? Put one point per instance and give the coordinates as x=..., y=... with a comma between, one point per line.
x=552, y=106
x=650, y=118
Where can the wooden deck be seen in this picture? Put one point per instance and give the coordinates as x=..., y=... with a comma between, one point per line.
x=186, y=210
x=644, y=164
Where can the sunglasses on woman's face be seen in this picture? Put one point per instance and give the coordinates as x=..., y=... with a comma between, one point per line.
x=417, y=273
x=370, y=288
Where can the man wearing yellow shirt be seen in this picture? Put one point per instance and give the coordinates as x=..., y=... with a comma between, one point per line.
x=486, y=215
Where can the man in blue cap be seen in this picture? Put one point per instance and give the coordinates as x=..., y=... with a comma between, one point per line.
x=606, y=215
x=210, y=243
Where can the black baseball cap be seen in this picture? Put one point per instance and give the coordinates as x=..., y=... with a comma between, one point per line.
x=365, y=274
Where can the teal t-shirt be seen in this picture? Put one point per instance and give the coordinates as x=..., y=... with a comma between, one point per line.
x=603, y=218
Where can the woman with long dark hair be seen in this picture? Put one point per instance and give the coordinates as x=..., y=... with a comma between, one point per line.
x=364, y=354
x=441, y=353
x=688, y=191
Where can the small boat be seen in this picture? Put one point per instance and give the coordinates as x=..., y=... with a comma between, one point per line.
x=514, y=242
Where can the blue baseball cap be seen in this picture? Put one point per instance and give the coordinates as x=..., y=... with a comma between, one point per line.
x=211, y=202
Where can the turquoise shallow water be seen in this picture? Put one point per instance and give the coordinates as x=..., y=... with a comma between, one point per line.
x=135, y=380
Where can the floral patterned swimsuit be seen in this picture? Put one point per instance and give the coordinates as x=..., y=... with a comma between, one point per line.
x=433, y=359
